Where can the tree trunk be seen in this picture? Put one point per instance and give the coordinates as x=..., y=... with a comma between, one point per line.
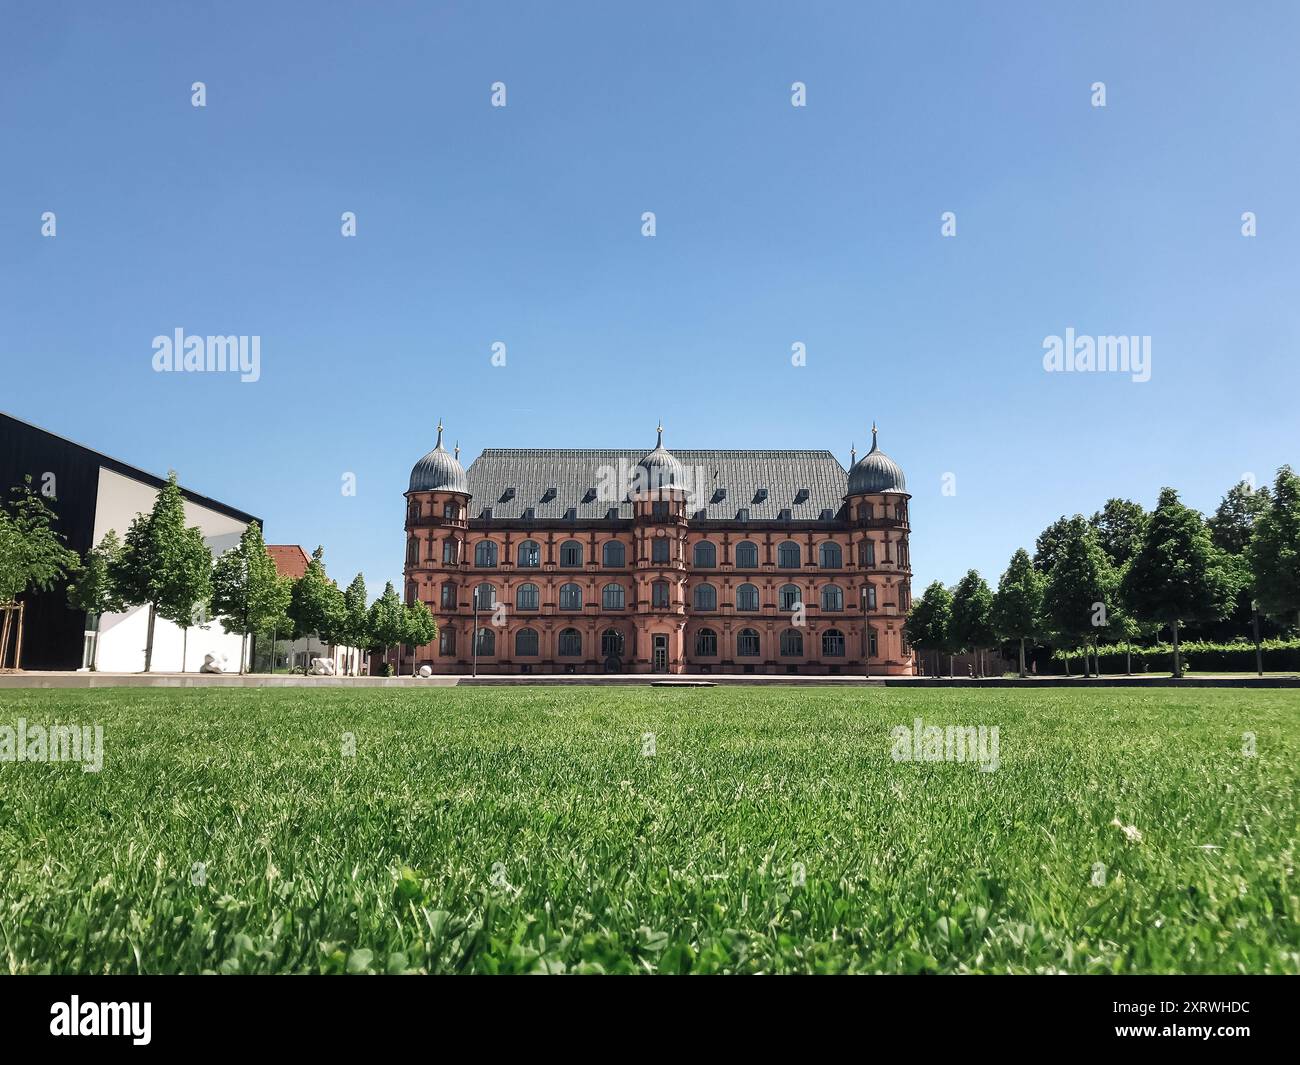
x=1259, y=655
x=1065, y=658
x=243, y=652
x=5, y=626
x=148, y=641
x=1178, y=663
x=1022, y=658
x=1128, y=659
x=185, y=647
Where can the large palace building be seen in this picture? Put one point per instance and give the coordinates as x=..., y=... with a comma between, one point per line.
x=589, y=561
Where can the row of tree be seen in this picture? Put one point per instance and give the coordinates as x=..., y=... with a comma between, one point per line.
x=165, y=565
x=1125, y=574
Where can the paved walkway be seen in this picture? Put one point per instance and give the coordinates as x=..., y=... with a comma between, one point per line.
x=80, y=679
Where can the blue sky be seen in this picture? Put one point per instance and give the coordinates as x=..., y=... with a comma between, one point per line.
x=775, y=225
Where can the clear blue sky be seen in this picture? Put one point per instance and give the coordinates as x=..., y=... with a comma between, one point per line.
x=775, y=225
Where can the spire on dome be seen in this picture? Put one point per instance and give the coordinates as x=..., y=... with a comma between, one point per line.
x=439, y=443
x=874, y=445
x=457, y=452
x=853, y=455
x=660, y=441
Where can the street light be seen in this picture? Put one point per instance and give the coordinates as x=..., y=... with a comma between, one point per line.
x=474, y=635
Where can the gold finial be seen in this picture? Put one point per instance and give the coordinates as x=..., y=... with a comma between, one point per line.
x=439, y=444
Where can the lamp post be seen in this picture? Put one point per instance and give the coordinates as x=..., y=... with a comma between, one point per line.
x=866, y=636
x=474, y=635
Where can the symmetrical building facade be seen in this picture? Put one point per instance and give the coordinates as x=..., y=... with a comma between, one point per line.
x=590, y=561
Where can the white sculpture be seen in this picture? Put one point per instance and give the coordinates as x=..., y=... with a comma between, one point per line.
x=322, y=667
x=426, y=671
x=213, y=664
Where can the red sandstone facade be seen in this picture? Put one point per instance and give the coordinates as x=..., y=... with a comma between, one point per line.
x=657, y=589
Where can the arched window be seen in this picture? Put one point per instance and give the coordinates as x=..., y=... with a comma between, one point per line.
x=526, y=643
x=706, y=597
x=788, y=555
x=570, y=597
x=530, y=554
x=659, y=593
x=613, y=555
x=832, y=597
x=570, y=554
x=792, y=643
x=746, y=555
x=706, y=555
x=661, y=550
x=611, y=644
x=747, y=643
x=612, y=597
x=485, y=554
x=527, y=597
x=487, y=640
x=570, y=643
x=746, y=597
x=706, y=643
x=790, y=597
x=832, y=644
x=487, y=596
x=829, y=556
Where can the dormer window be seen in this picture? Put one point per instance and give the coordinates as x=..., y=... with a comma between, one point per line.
x=760, y=495
x=550, y=494
x=802, y=495
x=507, y=495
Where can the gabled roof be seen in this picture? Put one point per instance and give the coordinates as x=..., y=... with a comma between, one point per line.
x=587, y=480
x=290, y=559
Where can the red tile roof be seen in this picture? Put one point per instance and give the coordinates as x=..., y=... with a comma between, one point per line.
x=290, y=559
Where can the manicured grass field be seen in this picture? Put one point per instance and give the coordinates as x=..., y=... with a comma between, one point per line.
x=523, y=829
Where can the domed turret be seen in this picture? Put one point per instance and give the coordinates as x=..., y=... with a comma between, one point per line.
x=876, y=472
x=662, y=468
x=438, y=471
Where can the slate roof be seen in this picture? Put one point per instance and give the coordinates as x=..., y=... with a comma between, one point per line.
x=732, y=481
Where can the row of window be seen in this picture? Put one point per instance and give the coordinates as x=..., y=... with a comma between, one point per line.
x=789, y=555
x=613, y=596
x=569, y=644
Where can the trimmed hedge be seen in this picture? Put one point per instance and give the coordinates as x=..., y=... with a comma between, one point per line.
x=1235, y=657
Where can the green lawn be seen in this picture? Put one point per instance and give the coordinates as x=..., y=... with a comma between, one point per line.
x=523, y=829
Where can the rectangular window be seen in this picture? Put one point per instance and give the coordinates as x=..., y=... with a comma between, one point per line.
x=659, y=511
x=448, y=597
x=659, y=551
x=660, y=593
x=447, y=642
x=449, y=552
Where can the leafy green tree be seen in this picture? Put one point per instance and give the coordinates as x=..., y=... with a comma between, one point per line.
x=92, y=591
x=1018, y=602
x=248, y=594
x=1048, y=545
x=1119, y=526
x=356, y=632
x=927, y=622
x=387, y=621
x=1233, y=522
x=32, y=556
x=1178, y=575
x=970, y=624
x=163, y=563
x=316, y=605
x=1275, y=550
x=419, y=628
x=1081, y=587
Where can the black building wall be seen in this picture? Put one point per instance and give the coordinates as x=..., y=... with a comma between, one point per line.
x=53, y=635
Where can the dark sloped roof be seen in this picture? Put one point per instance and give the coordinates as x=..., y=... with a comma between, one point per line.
x=581, y=476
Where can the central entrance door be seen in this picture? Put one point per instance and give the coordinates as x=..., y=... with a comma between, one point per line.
x=661, y=654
